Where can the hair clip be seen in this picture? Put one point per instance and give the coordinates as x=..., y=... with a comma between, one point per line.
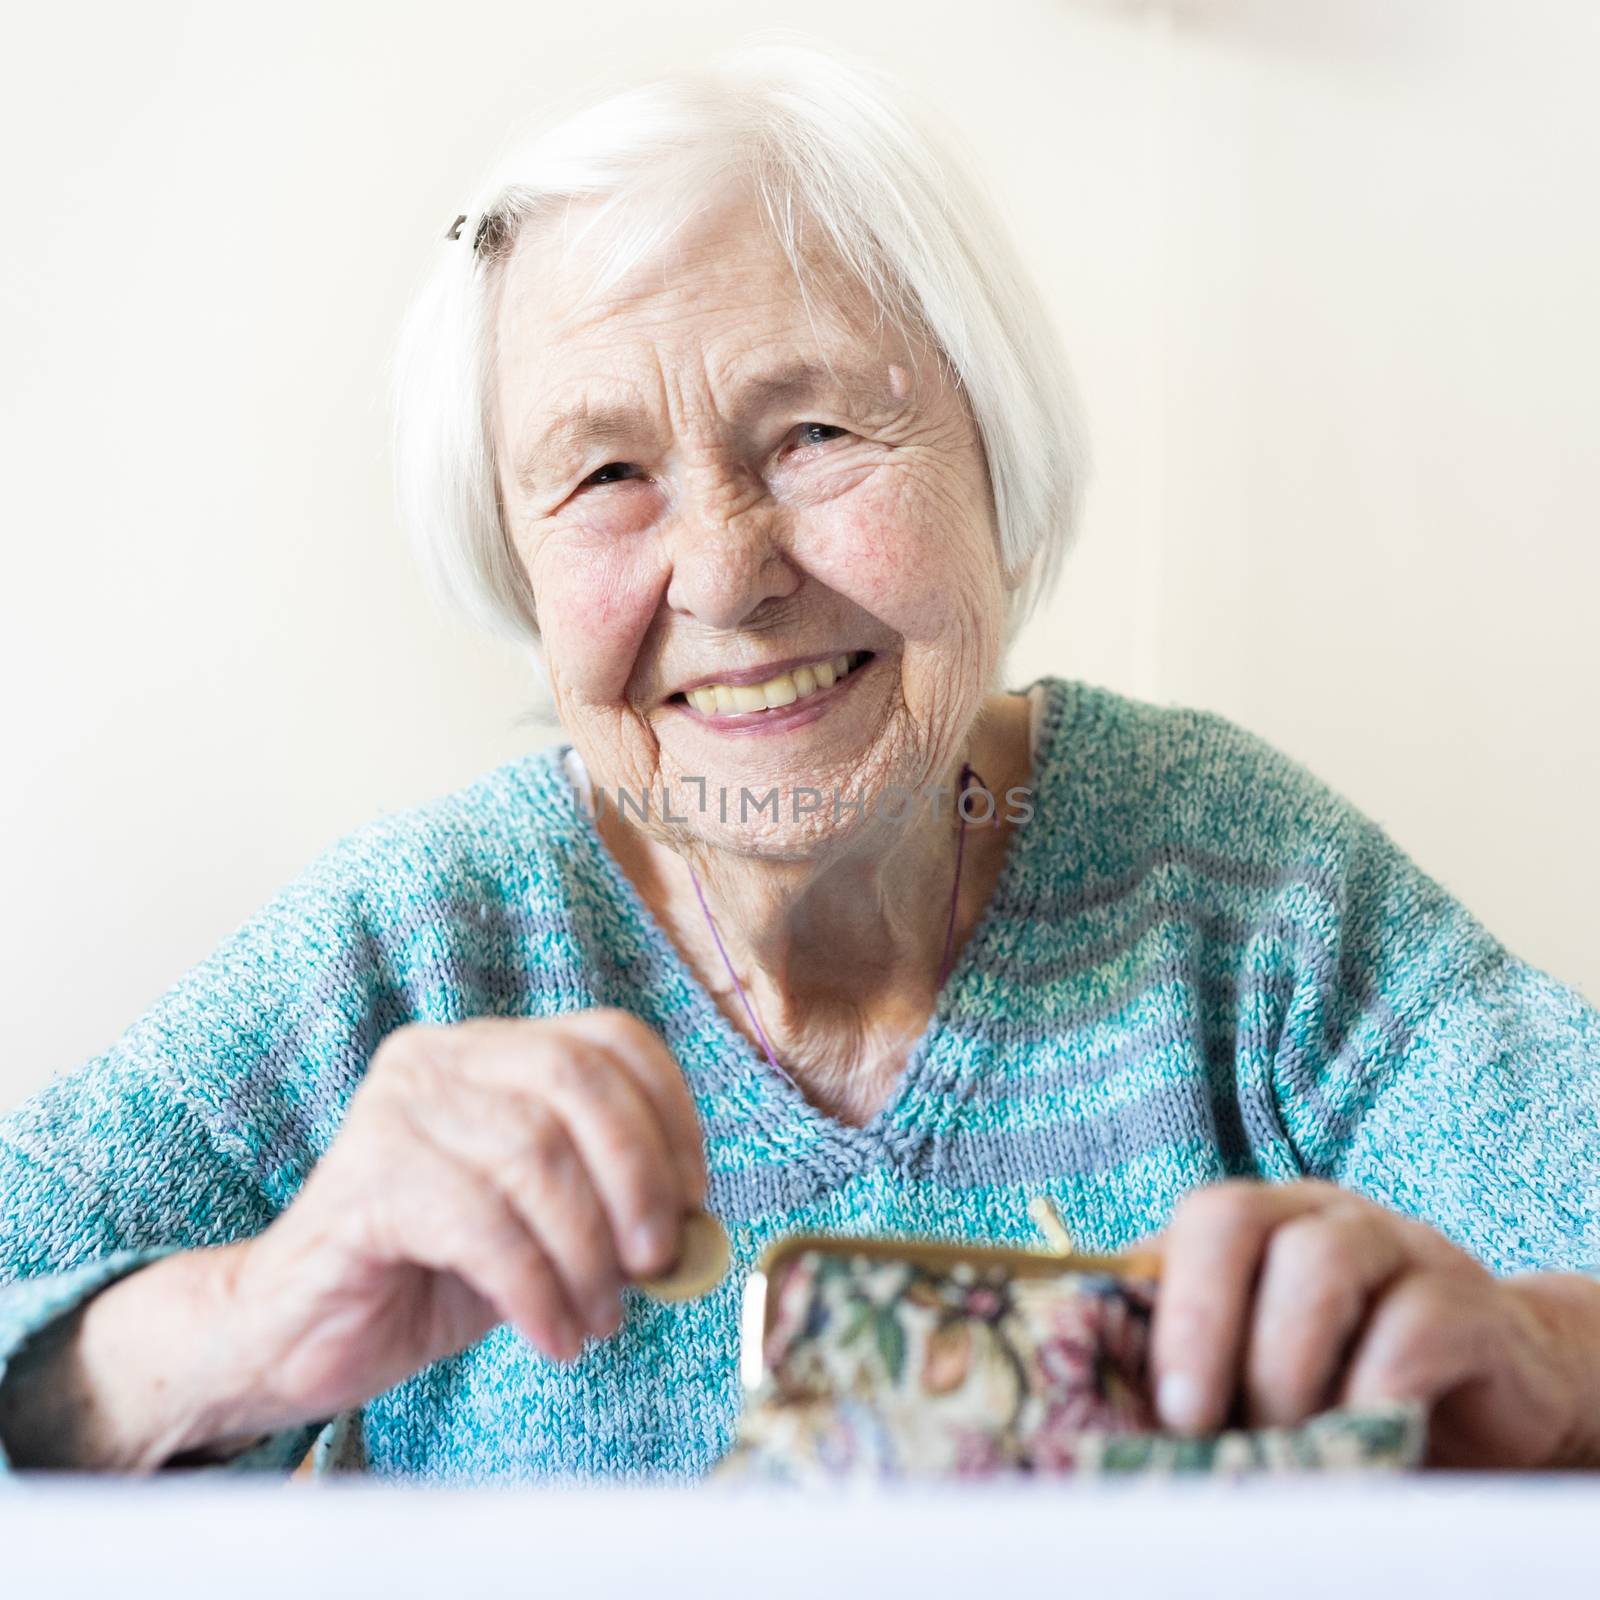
x=487, y=222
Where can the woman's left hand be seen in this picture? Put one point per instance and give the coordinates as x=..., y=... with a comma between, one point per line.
x=1279, y=1301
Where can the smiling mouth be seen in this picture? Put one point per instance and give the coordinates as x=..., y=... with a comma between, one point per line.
x=775, y=693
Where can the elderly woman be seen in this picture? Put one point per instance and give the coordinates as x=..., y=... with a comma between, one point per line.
x=731, y=400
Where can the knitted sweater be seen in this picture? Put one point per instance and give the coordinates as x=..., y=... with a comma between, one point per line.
x=1198, y=963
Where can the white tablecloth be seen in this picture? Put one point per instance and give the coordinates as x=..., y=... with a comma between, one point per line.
x=1526, y=1538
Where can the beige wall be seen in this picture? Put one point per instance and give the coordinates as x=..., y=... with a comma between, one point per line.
x=1327, y=269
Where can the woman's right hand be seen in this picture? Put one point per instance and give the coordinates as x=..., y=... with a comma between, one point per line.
x=496, y=1170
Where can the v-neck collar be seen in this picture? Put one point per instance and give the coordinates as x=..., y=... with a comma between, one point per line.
x=730, y=1073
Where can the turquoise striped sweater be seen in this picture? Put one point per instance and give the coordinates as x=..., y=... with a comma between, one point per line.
x=1198, y=962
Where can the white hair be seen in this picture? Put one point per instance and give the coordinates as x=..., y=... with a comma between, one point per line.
x=818, y=137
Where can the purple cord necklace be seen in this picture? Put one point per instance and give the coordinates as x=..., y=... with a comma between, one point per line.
x=968, y=776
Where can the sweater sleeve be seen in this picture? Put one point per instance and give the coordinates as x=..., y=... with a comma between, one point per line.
x=198, y=1124
x=1422, y=1063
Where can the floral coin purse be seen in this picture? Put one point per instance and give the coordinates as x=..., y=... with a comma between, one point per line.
x=873, y=1358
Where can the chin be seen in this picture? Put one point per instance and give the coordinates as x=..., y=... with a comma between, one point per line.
x=844, y=808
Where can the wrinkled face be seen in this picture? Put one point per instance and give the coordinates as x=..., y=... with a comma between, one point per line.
x=760, y=540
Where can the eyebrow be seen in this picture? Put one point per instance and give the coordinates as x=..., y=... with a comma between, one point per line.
x=584, y=425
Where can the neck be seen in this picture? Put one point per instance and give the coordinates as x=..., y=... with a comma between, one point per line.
x=839, y=956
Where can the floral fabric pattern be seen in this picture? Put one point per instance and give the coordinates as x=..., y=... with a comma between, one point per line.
x=887, y=1367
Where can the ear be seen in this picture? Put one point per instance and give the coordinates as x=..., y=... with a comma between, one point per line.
x=1013, y=578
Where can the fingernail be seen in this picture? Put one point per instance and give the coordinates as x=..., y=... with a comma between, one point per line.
x=1178, y=1401
x=652, y=1244
x=605, y=1315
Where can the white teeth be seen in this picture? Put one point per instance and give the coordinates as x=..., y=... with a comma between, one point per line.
x=725, y=699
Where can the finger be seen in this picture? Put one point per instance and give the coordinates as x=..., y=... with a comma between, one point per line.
x=609, y=1121
x=1320, y=1274
x=620, y=1140
x=448, y=1219
x=1211, y=1254
x=523, y=1148
x=553, y=1190
x=583, y=1058
x=658, y=1075
x=1424, y=1338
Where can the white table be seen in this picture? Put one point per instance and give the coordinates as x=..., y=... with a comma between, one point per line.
x=1526, y=1538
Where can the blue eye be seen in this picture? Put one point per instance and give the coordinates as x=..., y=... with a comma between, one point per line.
x=807, y=428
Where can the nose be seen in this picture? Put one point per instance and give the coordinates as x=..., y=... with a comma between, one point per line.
x=729, y=555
